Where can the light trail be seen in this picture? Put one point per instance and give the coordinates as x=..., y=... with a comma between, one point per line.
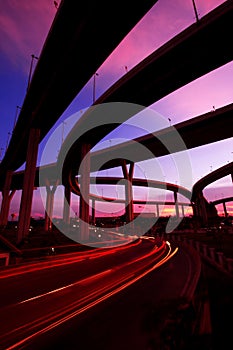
x=62, y=260
x=87, y=279
x=99, y=296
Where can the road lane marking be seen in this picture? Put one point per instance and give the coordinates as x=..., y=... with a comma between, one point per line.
x=94, y=302
x=84, y=280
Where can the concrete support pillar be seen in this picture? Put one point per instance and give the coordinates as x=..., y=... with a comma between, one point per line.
x=157, y=210
x=182, y=208
x=93, y=212
x=192, y=205
x=66, y=205
x=202, y=209
x=84, y=191
x=7, y=196
x=28, y=184
x=225, y=209
x=176, y=205
x=49, y=205
x=195, y=209
x=128, y=175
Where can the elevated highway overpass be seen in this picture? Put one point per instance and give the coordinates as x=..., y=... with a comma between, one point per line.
x=81, y=37
x=223, y=201
x=198, y=197
x=198, y=131
x=206, y=128
x=199, y=49
x=202, y=47
x=213, y=176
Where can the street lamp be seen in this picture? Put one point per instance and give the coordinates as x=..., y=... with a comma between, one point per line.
x=16, y=115
x=195, y=10
x=8, y=139
x=94, y=83
x=30, y=71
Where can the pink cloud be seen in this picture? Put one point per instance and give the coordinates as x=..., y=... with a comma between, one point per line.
x=160, y=24
x=24, y=27
x=204, y=7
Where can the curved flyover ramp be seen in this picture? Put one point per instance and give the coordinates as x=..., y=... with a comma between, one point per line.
x=201, y=48
x=82, y=36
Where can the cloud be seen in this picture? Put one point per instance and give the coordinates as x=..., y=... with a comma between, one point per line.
x=24, y=26
x=165, y=20
x=203, y=7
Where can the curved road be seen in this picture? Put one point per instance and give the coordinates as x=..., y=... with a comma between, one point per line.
x=45, y=312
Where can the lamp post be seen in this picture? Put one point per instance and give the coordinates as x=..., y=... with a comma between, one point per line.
x=30, y=71
x=8, y=139
x=94, y=83
x=195, y=10
x=16, y=115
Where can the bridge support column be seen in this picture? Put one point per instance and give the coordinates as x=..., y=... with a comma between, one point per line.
x=49, y=205
x=201, y=207
x=225, y=209
x=128, y=175
x=176, y=205
x=66, y=205
x=28, y=184
x=93, y=212
x=7, y=196
x=182, y=208
x=195, y=209
x=84, y=191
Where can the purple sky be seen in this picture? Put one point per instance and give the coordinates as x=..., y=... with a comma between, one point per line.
x=24, y=26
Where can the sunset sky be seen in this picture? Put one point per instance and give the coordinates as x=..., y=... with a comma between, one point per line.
x=24, y=26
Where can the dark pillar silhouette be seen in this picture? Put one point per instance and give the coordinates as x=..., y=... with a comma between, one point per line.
x=182, y=208
x=128, y=175
x=28, y=184
x=84, y=191
x=201, y=208
x=66, y=207
x=7, y=196
x=176, y=205
x=93, y=212
x=50, y=191
x=225, y=209
x=157, y=210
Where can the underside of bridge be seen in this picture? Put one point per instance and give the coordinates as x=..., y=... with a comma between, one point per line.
x=153, y=78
